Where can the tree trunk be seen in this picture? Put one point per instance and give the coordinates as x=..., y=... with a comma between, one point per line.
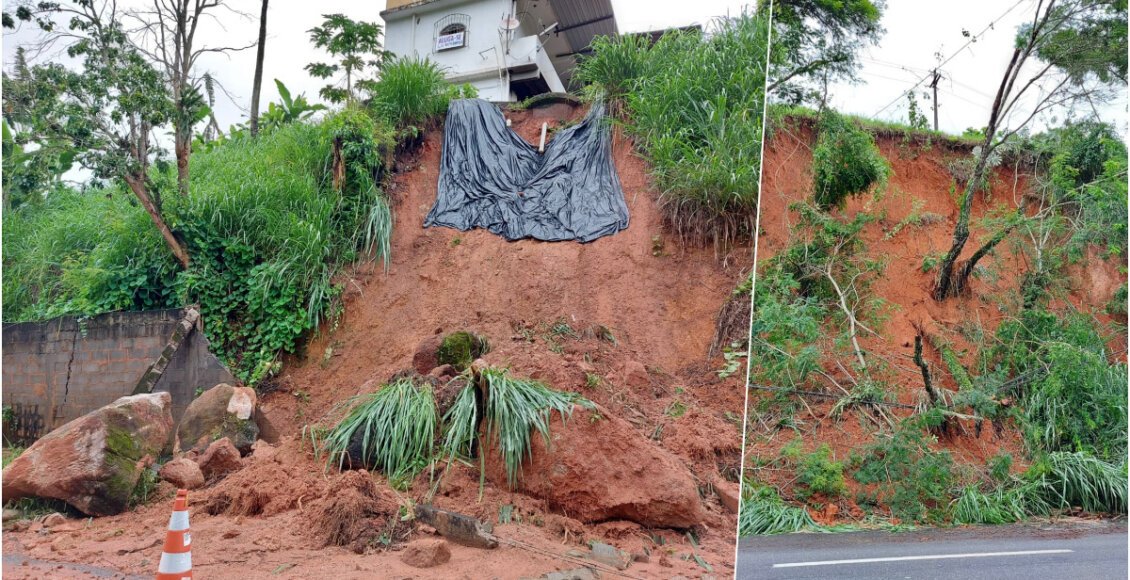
x=258, y=83
x=139, y=189
x=183, y=147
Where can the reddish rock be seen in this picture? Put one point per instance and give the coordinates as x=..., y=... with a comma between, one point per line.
x=729, y=494
x=443, y=372
x=183, y=473
x=425, y=553
x=597, y=468
x=93, y=462
x=634, y=374
x=222, y=411
x=220, y=459
x=425, y=358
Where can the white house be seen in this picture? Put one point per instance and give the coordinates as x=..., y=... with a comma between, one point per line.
x=507, y=49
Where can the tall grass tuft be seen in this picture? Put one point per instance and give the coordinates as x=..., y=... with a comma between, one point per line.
x=460, y=424
x=1079, y=479
x=515, y=408
x=764, y=513
x=392, y=430
x=1002, y=505
x=694, y=103
x=412, y=95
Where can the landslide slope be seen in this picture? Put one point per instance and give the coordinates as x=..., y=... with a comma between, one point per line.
x=915, y=217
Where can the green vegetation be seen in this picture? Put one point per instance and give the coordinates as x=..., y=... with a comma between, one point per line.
x=268, y=221
x=819, y=474
x=816, y=42
x=845, y=162
x=411, y=95
x=460, y=349
x=694, y=104
x=357, y=47
x=763, y=513
x=395, y=428
x=914, y=481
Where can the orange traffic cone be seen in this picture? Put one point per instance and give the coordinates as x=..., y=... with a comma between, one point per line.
x=176, y=559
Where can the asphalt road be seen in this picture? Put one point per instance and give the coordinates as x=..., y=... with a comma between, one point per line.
x=1089, y=551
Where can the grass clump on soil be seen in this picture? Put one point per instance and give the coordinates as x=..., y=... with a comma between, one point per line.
x=412, y=94
x=845, y=161
x=460, y=349
x=693, y=101
x=392, y=430
x=764, y=513
x=1077, y=479
x=514, y=409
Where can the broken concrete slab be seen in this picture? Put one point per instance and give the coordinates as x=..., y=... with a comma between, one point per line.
x=461, y=529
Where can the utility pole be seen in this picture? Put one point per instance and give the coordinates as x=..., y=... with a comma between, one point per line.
x=934, y=85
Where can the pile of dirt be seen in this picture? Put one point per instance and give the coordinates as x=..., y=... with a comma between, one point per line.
x=354, y=512
x=272, y=481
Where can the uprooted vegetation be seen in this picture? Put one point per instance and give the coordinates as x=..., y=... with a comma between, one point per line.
x=395, y=429
x=1009, y=405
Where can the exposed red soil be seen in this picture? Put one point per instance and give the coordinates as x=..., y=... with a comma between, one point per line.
x=658, y=299
x=919, y=172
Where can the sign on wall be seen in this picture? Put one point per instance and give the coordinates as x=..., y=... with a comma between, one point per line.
x=449, y=41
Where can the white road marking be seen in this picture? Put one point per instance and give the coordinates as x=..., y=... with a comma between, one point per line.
x=928, y=557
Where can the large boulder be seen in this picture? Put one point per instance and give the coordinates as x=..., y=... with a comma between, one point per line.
x=597, y=467
x=93, y=462
x=222, y=411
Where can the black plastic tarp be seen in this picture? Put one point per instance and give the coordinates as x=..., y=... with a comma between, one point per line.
x=491, y=178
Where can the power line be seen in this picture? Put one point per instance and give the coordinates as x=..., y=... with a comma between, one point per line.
x=930, y=74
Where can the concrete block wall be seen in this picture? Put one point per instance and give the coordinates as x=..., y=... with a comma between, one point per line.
x=61, y=369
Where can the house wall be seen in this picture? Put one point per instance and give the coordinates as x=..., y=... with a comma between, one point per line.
x=412, y=32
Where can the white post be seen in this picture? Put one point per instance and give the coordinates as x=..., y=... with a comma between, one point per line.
x=541, y=146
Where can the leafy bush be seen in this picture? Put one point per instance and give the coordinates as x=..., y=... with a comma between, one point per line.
x=84, y=253
x=819, y=474
x=913, y=480
x=1087, y=171
x=395, y=428
x=694, y=102
x=1074, y=398
x=845, y=161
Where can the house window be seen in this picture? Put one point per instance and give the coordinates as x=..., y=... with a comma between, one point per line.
x=451, y=32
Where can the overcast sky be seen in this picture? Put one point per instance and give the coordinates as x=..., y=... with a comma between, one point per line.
x=289, y=48
x=917, y=30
